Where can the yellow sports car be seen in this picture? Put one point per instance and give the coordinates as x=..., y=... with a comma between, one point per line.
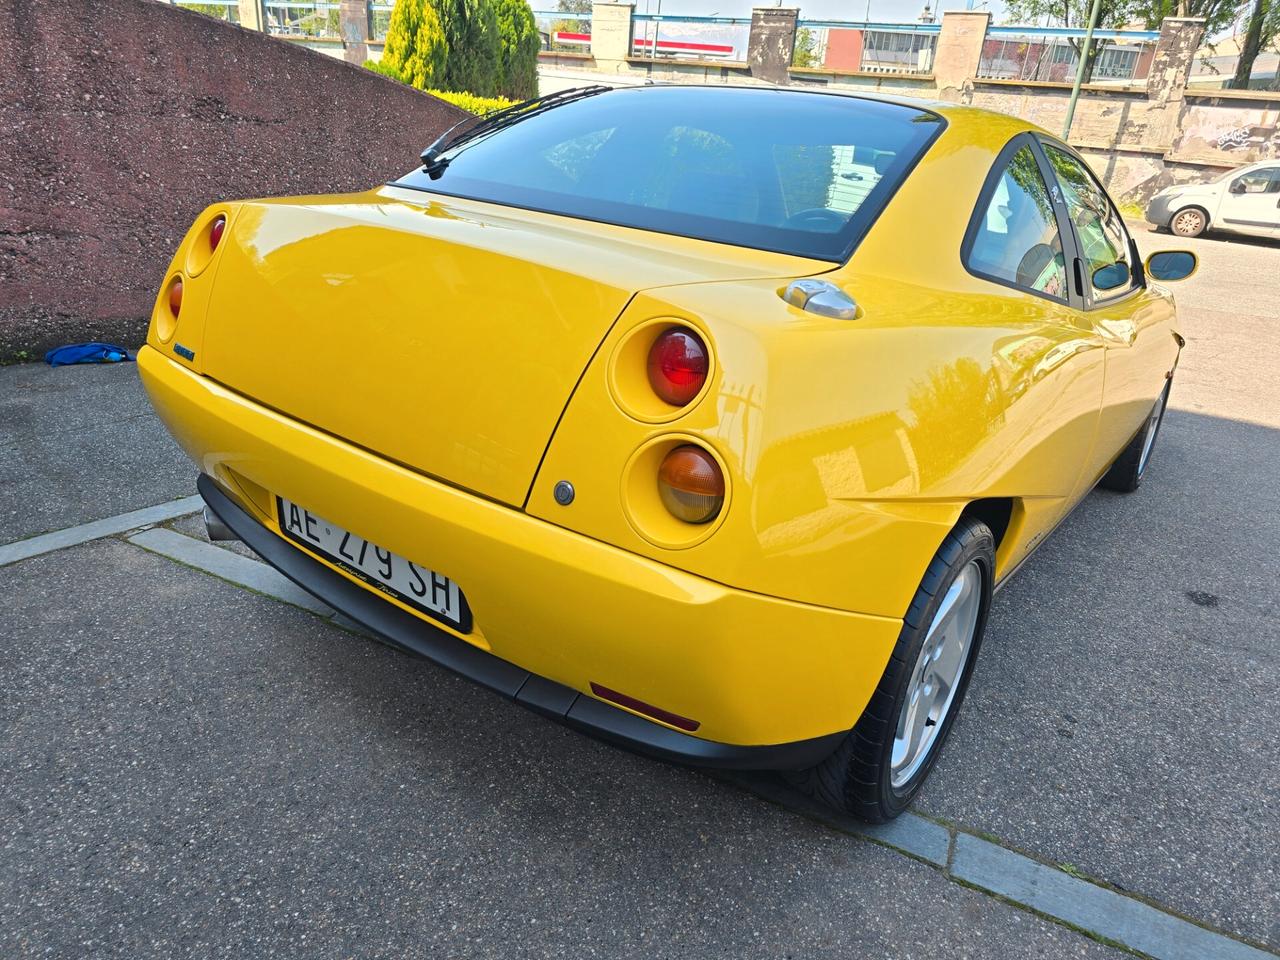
x=702, y=419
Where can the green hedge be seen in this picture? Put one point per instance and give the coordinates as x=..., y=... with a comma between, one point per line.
x=471, y=103
x=467, y=101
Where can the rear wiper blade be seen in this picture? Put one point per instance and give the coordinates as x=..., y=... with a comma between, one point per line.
x=432, y=161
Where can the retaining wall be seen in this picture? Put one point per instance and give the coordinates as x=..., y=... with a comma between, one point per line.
x=120, y=121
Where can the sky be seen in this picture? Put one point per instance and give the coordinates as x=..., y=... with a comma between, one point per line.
x=881, y=10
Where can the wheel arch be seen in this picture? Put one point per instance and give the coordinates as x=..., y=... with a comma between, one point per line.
x=998, y=514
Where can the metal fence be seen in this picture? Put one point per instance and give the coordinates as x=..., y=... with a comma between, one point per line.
x=318, y=21
x=380, y=20
x=1052, y=55
x=564, y=32
x=228, y=10
x=676, y=37
x=853, y=47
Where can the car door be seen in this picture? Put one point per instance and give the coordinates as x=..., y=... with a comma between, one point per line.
x=1051, y=368
x=1251, y=202
x=1132, y=319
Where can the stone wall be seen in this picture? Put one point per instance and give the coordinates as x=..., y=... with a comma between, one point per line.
x=120, y=121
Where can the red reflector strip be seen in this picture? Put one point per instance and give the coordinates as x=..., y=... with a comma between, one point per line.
x=639, y=706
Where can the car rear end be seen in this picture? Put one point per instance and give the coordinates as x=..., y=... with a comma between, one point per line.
x=373, y=386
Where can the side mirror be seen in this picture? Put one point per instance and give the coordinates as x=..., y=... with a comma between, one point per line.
x=1236, y=187
x=1170, y=265
x=1112, y=275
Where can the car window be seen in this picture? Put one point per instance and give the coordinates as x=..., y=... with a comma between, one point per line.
x=1104, y=241
x=694, y=171
x=1264, y=180
x=1016, y=239
x=795, y=172
x=836, y=177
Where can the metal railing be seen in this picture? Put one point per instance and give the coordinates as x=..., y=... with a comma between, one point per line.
x=906, y=49
x=1052, y=54
x=228, y=10
x=659, y=36
x=563, y=31
x=379, y=21
x=315, y=20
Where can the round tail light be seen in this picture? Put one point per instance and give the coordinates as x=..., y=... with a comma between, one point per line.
x=215, y=232
x=175, y=296
x=691, y=485
x=678, y=366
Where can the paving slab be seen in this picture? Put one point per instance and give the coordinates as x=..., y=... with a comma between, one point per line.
x=195, y=770
x=78, y=444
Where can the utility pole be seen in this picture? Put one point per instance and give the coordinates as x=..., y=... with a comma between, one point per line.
x=1084, y=59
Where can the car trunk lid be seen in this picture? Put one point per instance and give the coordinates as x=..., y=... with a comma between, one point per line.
x=444, y=334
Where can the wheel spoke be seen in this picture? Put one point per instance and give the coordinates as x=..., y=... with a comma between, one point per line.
x=936, y=675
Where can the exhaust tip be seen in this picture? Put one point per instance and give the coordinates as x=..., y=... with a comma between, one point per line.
x=215, y=528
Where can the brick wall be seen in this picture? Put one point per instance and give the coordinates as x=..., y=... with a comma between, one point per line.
x=120, y=121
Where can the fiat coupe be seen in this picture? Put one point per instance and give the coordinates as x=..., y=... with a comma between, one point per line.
x=705, y=420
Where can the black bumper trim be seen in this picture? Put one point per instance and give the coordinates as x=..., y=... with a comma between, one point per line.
x=551, y=699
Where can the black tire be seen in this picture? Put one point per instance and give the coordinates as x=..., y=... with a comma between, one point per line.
x=856, y=778
x=1131, y=466
x=1189, y=222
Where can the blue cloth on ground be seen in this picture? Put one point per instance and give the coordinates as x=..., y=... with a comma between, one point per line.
x=85, y=353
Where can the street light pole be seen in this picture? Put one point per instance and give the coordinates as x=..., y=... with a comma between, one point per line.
x=1084, y=59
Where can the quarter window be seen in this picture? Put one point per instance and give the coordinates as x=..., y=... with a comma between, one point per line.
x=1104, y=242
x=1016, y=241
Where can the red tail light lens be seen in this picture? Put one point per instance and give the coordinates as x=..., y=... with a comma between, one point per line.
x=678, y=366
x=215, y=232
x=175, y=296
x=691, y=485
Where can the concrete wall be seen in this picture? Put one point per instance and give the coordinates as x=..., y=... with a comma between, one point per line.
x=120, y=121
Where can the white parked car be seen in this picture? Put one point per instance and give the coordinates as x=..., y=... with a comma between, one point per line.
x=1244, y=200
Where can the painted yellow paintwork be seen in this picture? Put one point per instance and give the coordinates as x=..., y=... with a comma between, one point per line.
x=423, y=370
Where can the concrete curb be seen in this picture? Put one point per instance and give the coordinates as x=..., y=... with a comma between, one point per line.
x=1022, y=881
x=96, y=529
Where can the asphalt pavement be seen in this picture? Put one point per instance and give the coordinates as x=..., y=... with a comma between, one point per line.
x=190, y=768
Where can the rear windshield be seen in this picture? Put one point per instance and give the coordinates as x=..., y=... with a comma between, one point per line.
x=797, y=173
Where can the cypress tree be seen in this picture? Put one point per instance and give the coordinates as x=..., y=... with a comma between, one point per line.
x=471, y=37
x=416, y=50
x=519, y=43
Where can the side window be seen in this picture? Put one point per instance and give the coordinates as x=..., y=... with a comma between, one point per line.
x=1104, y=241
x=1265, y=180
x=1016, y=239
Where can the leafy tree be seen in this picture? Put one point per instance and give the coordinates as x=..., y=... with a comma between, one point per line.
x=1261, y=30
x=518, y=43
x=1218, y=14
x=1073, y=13
x=415, y=50
x=806, y=49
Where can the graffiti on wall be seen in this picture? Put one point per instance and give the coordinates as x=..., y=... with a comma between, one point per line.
x=1238, y=134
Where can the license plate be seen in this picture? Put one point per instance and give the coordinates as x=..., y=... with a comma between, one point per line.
x=432, y=593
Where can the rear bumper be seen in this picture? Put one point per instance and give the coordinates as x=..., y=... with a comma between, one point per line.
x=539, y=694
x=772, y=683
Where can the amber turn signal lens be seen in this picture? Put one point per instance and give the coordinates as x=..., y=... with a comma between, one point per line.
x=175, y=296
x=691, y=485
x=678, y=366
x=215, y=231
